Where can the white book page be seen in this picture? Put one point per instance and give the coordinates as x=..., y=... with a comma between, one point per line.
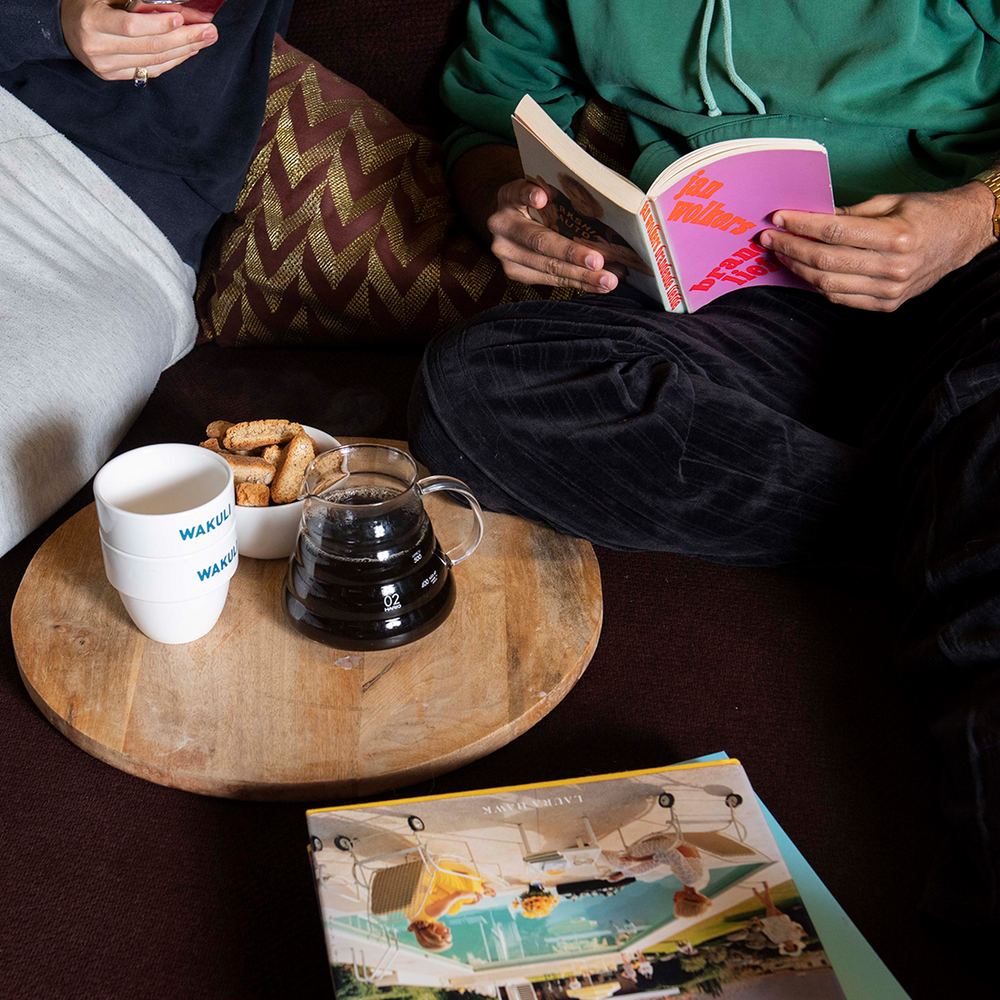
x=719, y=151
x=608, y=182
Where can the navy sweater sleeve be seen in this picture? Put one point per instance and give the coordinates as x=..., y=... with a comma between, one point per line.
x=30, y=30
x=178, y=147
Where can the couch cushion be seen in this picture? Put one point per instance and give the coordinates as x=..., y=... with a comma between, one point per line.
x=344, y=230
x=394, y=50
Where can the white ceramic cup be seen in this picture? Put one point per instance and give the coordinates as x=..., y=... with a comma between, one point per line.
x=178, y=599
x=179, y=578
x=179, y=621
x=165, y=500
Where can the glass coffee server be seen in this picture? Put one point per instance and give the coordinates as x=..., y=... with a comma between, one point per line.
x=367, y=571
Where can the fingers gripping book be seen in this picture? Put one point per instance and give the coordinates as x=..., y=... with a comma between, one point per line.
x=693, y=235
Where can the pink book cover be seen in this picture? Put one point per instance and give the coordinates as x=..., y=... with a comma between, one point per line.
x=711, y=218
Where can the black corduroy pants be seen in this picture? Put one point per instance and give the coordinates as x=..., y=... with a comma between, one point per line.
x=768, y=427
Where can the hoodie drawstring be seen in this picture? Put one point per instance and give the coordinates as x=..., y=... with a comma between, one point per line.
x=734, y=78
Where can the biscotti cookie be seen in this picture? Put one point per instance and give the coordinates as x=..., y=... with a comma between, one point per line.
x=259, y=434
x=217, y=428
x=272, y=454
x=297, y=455
x=249, y=469
x=212, y=444
x=252, y=495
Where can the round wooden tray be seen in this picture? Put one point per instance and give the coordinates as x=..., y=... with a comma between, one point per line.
x=254, y=710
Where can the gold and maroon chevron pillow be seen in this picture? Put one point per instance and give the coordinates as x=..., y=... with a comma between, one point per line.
x=344, y=232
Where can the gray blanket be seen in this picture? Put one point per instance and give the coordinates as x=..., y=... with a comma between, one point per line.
x=94, y=304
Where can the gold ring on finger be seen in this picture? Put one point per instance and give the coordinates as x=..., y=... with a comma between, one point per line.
x=141, y=76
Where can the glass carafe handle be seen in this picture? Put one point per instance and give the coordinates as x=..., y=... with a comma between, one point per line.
x=434, y=483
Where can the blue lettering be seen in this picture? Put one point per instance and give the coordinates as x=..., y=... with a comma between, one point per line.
x=204, y=574
x=203, y=529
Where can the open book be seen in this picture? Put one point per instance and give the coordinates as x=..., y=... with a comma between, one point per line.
x=692, y=236
x=664, y=882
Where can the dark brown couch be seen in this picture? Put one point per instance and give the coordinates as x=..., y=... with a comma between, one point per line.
x=114, y=887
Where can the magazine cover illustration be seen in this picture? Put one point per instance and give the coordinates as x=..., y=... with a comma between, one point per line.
x=664, y=883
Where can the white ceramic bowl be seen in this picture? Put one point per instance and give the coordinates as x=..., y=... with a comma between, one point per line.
x=165, y=500
x=270, y=532
x=180, y=578
x=178, y=621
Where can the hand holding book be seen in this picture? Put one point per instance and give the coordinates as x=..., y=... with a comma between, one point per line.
x=880, y=253
x=693, y=233
x=531, y=249
x=496, y=200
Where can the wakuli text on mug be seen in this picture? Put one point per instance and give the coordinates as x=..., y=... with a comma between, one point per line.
x=194, y=531
x=179, y=578
x=165, y=500
x=168, y=537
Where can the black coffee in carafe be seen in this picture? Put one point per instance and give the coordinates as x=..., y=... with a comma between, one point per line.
x=367, y=571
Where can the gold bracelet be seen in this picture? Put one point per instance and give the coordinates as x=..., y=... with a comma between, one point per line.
x=991, y=178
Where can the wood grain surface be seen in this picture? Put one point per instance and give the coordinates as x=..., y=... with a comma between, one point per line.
x=254, y=710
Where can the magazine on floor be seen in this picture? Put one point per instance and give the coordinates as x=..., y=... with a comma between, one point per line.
x=657, y=883
x=692, y=235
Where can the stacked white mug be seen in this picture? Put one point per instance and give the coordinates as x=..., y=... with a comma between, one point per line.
x=168, y=536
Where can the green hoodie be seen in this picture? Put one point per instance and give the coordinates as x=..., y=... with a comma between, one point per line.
x=903, y=93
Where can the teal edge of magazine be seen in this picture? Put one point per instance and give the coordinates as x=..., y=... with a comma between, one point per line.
x=861, y=973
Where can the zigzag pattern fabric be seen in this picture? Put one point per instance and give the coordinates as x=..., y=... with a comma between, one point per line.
x=344, y=232
x=603, y=130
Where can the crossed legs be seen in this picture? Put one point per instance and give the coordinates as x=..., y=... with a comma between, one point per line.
x=769, y=427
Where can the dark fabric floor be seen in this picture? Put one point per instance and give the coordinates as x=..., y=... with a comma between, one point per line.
x=116, y=888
